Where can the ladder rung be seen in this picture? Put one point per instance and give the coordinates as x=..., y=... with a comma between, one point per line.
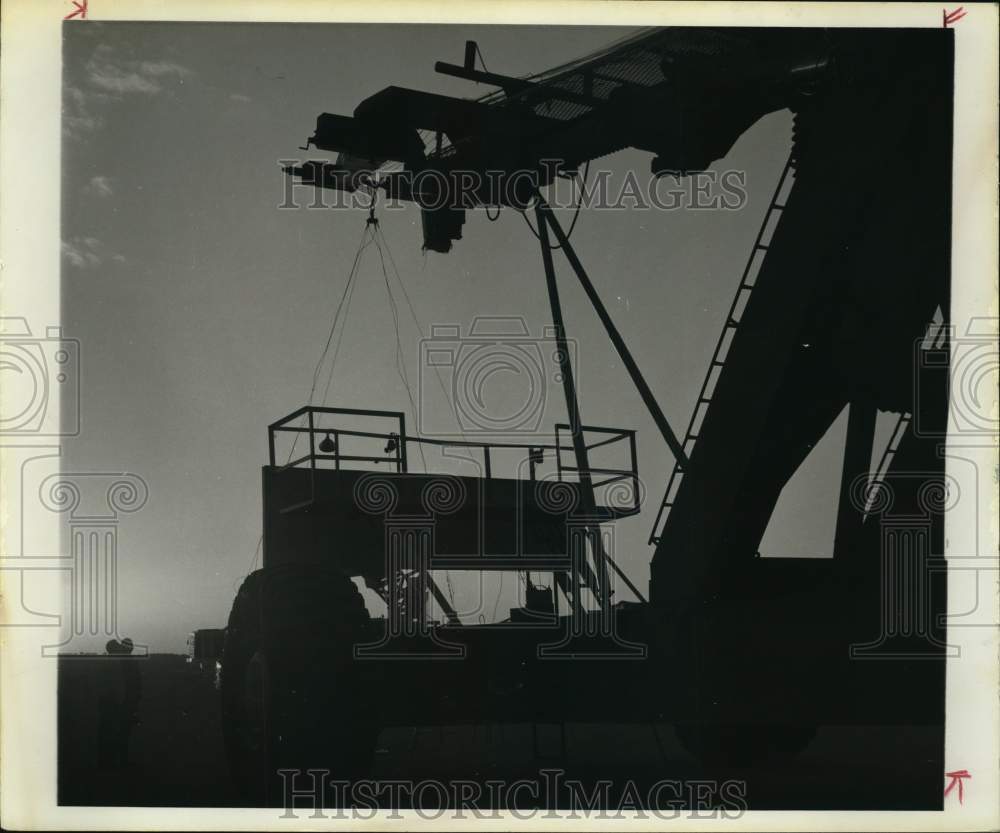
x=731, y=323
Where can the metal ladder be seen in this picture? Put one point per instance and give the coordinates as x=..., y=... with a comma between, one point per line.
x=937, y=335
x=733, y=317
x=898, y=432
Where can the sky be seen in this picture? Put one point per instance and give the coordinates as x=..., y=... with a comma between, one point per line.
x=202, y=308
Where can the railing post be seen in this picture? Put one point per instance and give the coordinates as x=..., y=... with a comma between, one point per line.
x=312, y=457
x=635, y=470
x=572, y=402
x=401, y=466
x=312, y=441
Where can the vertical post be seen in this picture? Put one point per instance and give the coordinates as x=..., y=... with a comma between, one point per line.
x=573, y=407
x=486, y=461
x=544, y=215
x=470, y=54
x=312, y=457
x=635, y=469
x=401, y=451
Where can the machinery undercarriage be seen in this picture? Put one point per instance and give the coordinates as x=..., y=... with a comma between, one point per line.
x=745, y=656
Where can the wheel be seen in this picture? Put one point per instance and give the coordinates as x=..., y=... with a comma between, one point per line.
x=743, y=745
x=293, y=697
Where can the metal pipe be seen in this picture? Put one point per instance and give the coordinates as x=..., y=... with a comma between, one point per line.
x=295, y=429
x=401, y=464
x=627, y=581
x=444, y=604
x=573, y=407
x=545, y=215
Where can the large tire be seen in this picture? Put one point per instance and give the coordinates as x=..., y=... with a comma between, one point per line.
x=293, y=696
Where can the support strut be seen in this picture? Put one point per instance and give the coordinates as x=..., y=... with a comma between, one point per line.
x=545, y=215
x=588, y=504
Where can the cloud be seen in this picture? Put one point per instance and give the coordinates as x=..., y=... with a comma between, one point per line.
x=79, y=253
x=100, y=186
x=110, y=76
x=116, y=73
x=240, y=97
x=87, y=252
x=116, y=80
x=78, y=118
x=160, y=68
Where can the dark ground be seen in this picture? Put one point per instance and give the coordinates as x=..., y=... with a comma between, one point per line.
x=176, y=755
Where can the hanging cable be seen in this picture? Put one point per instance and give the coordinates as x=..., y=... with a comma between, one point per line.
x=256, y=552
x=357, y=258
x=437, y=372
x=400, y=363
x=420, y=329
x=343, y=329
x=496, y=603
x=451, y=591
x=362, y=245
x=482, y=60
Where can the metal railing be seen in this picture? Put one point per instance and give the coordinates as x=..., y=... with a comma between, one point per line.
x=325, y=444
x=394, y=454
x=613, y=475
